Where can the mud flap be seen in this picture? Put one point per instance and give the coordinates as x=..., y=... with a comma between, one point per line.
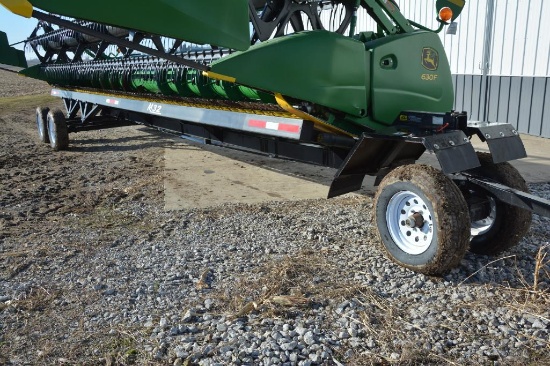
x=377, y=154
x=454, y=151
x=503, y=140
x=370, y=155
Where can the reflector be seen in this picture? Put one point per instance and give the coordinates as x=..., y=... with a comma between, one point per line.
x=445, y=14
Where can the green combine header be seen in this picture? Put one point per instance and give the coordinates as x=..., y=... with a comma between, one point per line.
x=301, y=80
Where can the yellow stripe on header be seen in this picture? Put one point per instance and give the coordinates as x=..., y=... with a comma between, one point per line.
x=213, y=75
x=319, y=124
x=460, y=3
x=19, y=7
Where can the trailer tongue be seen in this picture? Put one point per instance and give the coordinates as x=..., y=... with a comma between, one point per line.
x=299, y=80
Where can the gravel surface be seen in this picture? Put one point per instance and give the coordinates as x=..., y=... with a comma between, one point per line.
x=94, y=271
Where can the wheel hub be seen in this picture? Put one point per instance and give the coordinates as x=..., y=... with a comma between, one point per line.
x=483, y=225
x=410, y=222
x=416, y=220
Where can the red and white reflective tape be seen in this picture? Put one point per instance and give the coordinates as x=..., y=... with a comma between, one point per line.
x=276, y=126
x=112, y=101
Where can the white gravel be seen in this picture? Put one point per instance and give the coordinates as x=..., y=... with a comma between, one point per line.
x=145, y=289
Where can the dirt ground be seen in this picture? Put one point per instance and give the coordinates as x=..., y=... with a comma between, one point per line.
x=43, y=193
x=39, y=184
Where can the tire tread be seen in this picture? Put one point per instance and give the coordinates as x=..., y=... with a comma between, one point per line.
x=42, y=113
x=517, y=220
x=62, y=141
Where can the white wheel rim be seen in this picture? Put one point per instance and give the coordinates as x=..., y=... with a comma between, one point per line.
x=401, y=207
x=39, y=124
x=51, y=131
x=482, y=226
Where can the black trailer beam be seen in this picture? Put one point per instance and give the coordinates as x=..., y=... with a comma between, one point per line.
x=537, y=205
x=331, y=157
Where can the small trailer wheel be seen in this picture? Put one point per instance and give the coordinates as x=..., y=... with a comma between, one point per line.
x=422, y=219
x=57, y=130
x=505, y=225
x=42, y=124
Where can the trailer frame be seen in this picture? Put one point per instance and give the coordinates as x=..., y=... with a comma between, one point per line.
x=282, y=135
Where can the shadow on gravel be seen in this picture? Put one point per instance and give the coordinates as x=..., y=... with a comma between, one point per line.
x=118, y=144
x=154, y=138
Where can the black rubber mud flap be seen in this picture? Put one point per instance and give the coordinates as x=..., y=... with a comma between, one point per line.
x=369, y=156
x=454, y=151
x=502, y=138
x=378, y=154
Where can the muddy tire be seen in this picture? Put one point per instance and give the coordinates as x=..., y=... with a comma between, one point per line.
x=422, y=219
x=57, y=130
x=506, y=225
x=42, y=124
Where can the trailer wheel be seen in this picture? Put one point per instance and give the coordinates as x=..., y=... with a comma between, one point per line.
x=42, y=124
x=422, y=219
x=505, y=225
x=57, y=130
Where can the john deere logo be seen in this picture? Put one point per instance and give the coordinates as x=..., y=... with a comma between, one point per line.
x=430, y=58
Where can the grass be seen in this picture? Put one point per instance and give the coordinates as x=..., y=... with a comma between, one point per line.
x=123, y=349
x=300, y=281
x=542, y=269
x=23, y=103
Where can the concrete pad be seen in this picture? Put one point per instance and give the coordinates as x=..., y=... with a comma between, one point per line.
x=204, y=176
x=535, y=168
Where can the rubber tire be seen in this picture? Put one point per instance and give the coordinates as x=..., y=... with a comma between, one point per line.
x=511, y=223
x=42, y=124
x=451, y=232
x=57, y=130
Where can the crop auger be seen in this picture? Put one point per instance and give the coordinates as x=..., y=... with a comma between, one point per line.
x=296, y=79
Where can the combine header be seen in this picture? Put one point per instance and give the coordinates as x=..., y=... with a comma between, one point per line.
x=299, y=80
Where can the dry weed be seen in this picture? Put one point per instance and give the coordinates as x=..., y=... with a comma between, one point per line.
x=37, y=299
x=205, y=281
x=534, y=295
x=542, y=269
x=298, y=281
